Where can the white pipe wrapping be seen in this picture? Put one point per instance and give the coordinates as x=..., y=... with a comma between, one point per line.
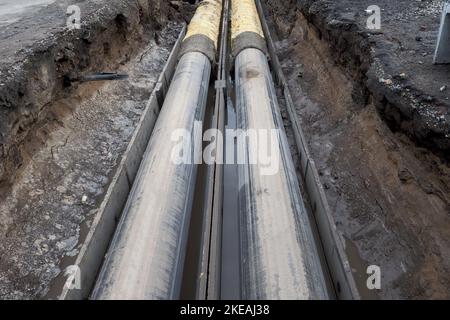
x=146, y=257
x=206, y=21
x=279, y=255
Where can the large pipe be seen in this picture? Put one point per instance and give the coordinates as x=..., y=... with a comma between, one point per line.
x=279, y=255
x=146, y=257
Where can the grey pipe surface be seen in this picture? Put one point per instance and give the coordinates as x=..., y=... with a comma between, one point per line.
x=278, y=251
x=146, y=257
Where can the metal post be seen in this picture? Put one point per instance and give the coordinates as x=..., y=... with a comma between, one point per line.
x=442, y=54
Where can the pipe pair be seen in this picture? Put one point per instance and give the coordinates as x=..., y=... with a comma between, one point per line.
x=279, y=258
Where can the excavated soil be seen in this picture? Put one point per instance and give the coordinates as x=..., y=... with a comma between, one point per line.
x=388, y=188
x=61, y=143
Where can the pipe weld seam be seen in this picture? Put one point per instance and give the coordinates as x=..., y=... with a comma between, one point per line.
x=247, y=40
x=199, y=43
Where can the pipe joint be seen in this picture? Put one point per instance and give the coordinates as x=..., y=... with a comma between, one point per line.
x=246, y=29
x=203, y=30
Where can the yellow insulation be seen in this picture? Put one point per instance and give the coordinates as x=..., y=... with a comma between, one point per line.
x=206, y=20
x=244, y=18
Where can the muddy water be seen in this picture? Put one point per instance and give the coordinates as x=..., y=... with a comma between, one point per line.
x=230, y=277
x=193, y=260
x=359, y=268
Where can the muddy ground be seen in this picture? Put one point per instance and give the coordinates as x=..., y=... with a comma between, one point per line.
x=381, y=151
x=61, y=143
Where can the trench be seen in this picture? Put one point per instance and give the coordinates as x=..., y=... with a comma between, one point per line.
x=74, y=127
x=86, y=133
x=228, y=285
x=67, y=154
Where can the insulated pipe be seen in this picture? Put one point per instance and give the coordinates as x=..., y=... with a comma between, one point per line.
x=279, y=255
x=146, y=257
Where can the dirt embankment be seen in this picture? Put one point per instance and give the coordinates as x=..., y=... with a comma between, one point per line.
x=39, y=54
x=392, y=65
x=371, y=139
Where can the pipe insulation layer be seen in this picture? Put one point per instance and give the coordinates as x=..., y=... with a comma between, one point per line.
x=244, y=18
x=146, y=256
x=203, y=32
x=280, y=259
x=206, y=21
